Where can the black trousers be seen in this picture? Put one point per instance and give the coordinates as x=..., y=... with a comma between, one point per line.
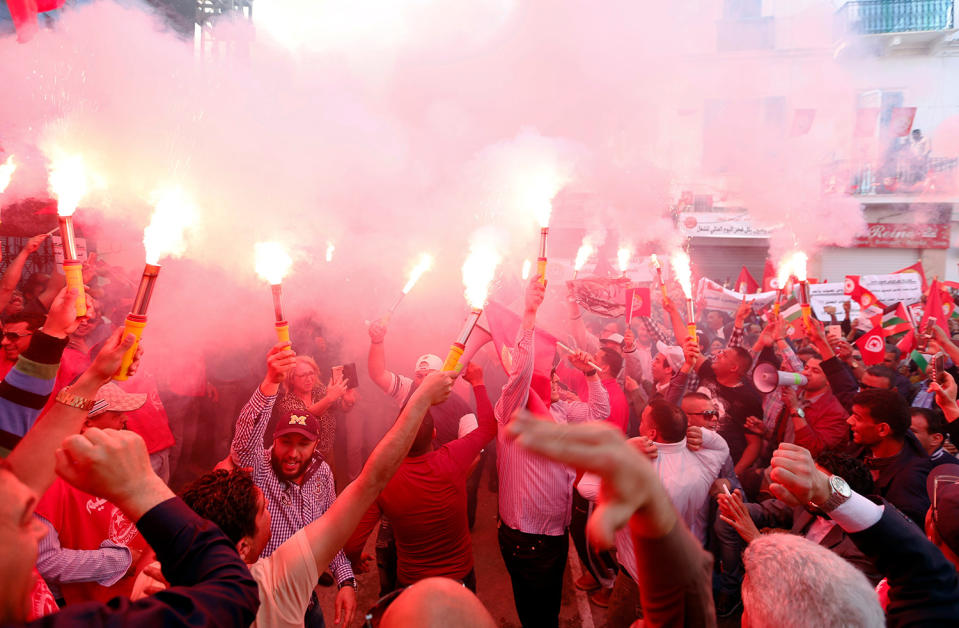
x=535, y=563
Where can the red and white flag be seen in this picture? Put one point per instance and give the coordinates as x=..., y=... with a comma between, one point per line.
x=873, y=346
x=637, y=303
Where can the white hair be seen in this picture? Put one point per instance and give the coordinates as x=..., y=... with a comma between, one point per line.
x=791, y=581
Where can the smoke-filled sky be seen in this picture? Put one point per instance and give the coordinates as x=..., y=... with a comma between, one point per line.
x=390, y=128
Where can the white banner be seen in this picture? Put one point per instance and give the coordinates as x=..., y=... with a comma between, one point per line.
x=889, y=289
x=715, y=297
x=58, y=249
x=721, y=225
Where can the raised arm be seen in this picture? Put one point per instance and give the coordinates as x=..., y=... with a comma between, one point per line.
x=330, y=532
x=104, y=565
x=32, y=459
x=376, y=362
x=596, y=407
x=247, y=447
x=15, y=270
x=516, y=390
x=465, y=449
x=679, y=325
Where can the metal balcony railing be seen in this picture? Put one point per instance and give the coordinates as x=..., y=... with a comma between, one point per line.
x=871, y=17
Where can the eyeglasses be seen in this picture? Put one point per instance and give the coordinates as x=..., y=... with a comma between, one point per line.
x=13, y=336
x=706, y=413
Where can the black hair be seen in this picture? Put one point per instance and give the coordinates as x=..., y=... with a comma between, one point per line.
x=893, y=349
x=881, y=370
x=696, y=395
x=424, y=437
x=857, y=476
x=934, y=420
x=670, y=422
x=33, y=321
x=743, y=357
x=228, y=499
x=886, y=406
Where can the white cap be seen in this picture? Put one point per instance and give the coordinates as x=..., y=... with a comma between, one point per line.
x=615, y=338
x=674, y=354
x=433, y=362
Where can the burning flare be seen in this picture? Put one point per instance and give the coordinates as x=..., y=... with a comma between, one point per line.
x=622, y=257
x=680, y=263
x=272, y=262
x=527, y=266
x=586, y=250
x=330, y=248
x=172, y=216
x=478, y=272
x=423, y=265
x=6, y=172
x=68, y=182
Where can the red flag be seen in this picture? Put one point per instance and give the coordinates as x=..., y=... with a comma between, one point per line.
x=862, y=295
x=919, y=270
x=900, y=122
x=907, y=343
x=866, y=121
x=935, y=308
x=769, y=276
x=504, y=327
x=637, y=303
x=746, y=283
x=873, y=346
x=24, y=14
x=802, y=121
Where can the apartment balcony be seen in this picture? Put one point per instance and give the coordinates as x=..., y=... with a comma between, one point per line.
x=899, y=26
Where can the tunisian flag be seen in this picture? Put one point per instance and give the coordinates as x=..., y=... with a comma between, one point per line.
x=746, y=283
x=24, y=14
x=873, y=346
x=769, y=277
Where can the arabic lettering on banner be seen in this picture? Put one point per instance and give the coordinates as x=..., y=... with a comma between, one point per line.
x=714, y=297
x=905, y=236
x=58, y=249
x=889, y=289
x=605, y=296
x=721, y=225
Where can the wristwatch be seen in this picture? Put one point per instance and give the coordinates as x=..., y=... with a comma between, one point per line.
x=67, y=398
x=839, y=492
x=349, y=582
x=799, y=412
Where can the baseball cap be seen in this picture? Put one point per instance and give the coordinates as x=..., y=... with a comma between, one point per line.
x=674, y=354
x=112, y=398
x=945, y=503
x=297, y=422
x=434, y=363
x=614, y=338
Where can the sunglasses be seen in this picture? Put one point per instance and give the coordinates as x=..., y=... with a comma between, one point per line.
x=13, y=336
x=706, y=413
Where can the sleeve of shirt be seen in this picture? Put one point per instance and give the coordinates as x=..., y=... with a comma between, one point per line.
x=467, y=424
x=247, y=448
x=677, y=388
x=841, y=381
x=399, y=388
x=658, y=330
x=287, y=578
x=827, y=433
x=588, y=486
x=790, y=360
x=714, y=452
x=210, y=584
x=105, y=566
x=26, y=388
x=735, y=337
x=596, y=407
x=516, y=389
x=639, y=364
x=464, y=450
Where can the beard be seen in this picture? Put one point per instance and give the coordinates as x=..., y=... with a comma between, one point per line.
x=281, y=472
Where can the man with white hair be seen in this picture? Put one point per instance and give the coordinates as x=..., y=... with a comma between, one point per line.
x=791, y=581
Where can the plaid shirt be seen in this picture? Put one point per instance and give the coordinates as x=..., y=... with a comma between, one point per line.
x=292, y=506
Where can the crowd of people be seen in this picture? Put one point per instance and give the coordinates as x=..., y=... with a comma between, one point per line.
x=690, y=495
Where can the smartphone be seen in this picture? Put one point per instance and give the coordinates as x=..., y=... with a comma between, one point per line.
x=347, y=371
x=926, y=335
x=937, y=368
x=834, y=332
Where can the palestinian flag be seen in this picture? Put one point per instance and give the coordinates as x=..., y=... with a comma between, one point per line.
x=895, y=320
x=791, y=311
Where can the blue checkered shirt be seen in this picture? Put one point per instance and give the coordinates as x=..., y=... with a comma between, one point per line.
x=292, y=506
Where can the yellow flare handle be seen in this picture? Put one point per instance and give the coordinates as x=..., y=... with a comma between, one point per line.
x=806, y=312
x=283, y=333
x=135, y=327
x=691, y=327
x=662, y=287
x=73, y=271
x=541, y=270
x=453, y=357
x=776, y=310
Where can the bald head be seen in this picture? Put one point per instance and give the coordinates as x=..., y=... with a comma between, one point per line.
x=437, y=602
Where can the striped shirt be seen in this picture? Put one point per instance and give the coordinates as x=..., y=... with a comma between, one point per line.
x=536, y=494
x=292, y=506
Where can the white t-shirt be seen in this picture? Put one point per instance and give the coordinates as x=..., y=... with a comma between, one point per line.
x=286, y=579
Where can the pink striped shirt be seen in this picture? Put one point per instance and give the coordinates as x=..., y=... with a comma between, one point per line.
x=536, y=494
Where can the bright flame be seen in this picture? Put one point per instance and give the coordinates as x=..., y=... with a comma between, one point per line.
x=655, y=262
x=330, y=247
x=527, y=266
x=478, y=272
x=792, y=264
x=622, y=257
x=682, y=272
x=425, y=263
x=68, y=182
x=586, y=250
x=272, y=261
x=6, y=172
x=173, y=214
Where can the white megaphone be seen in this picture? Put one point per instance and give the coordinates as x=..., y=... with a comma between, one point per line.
x=766, y=378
